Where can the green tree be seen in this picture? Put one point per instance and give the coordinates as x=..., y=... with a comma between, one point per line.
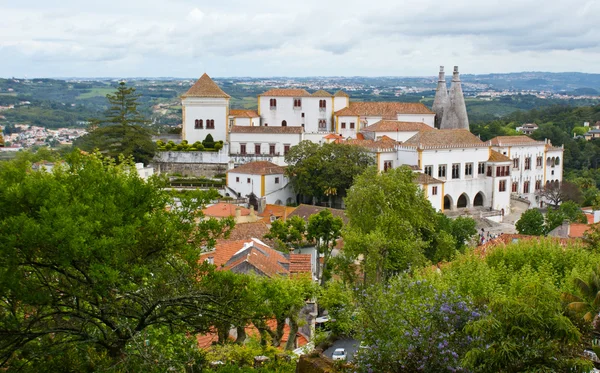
x=531, y=223
x=325, y=171
x=208, y=142
x=568, y=211
x=324, y=229
x=122, y=131
x=390, y=223
x=289, y=234
x=90, y=257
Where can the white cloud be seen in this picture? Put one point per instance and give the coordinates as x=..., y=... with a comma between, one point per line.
x=312, y=37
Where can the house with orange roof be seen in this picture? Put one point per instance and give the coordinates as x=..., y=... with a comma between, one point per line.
x=265, y=180
x=223, y=210
x=275, y=212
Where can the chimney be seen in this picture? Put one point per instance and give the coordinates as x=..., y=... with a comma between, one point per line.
x=440, y=102
x=456, y=116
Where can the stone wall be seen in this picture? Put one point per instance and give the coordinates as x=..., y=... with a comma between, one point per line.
x=197, y=164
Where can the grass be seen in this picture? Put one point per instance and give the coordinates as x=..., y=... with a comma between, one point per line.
x=96, y=92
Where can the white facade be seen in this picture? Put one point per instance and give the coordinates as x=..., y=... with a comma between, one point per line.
x=205, y=109
x=275, y=188
x=428, y=119
x=348, y=126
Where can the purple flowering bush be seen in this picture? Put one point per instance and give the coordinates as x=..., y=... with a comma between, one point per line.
x=412, y=326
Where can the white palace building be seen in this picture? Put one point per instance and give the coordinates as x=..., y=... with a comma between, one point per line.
x=456, y=169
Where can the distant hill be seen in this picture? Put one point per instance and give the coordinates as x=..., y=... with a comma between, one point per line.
x=537, y=81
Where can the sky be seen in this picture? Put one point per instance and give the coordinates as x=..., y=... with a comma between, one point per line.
x=262, y=38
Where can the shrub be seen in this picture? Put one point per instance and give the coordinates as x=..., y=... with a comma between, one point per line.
x=208, y=142
x=218, y=146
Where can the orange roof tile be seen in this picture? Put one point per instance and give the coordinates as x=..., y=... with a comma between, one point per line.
x=305, y=211
x=498, y=157
x=286, y=92
x=205, y=87
x=333, y=136
x=590, y=218
x=278, y=211
x=258, y=168
x=444, y=138
x=267, y=129
x=300, y=263
x=245, y=231
x=386, y=110
x=426, y=179
x=395, y=125
x=224, y=250
x=321, y=93
x=262, y=259
x=341, y=93
x=223, y=210
x=381, y=143
x=576, y=230
x=242, y=113
x=508, y=140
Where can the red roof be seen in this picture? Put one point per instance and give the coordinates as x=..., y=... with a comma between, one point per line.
x=300, y=263
x=224, y=210
x=576, y=230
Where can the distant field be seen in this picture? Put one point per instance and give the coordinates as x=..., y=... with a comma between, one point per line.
x=244, y=103
x=96, y=92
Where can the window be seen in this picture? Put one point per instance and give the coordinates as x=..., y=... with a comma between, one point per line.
x=502, y=171
x=322, y=105
x=442, y=170
x=468, y=169
x=427, y=170
x=528, y=163
x=283, y=123
x=198, y=124
x=434, y=191
x=538, y=162
x=489, y=171
x=242, y=148
x=231, y=121
x=481, y=168
x=515, y=162
x=387, y=165
x=456, y=171
x=502, y=186
x=557, y=161
x=343, y=125
x=248, y=180
x=273, y=104
x=272, y=149
x=351, y=125
x=302, y=115
x=286, y=148
x=526, y=187
x=515, y=187
x=266, y=124
x=210, y=124
x=256, y=148
x=297, y=103
x=322, y=125
x=237, y=179
x=538, y=184
x=276, y=180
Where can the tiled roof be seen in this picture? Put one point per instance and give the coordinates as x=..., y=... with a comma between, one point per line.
x=386, y=110
x=305, y=211
x=383, y=142
x=223, y=210
x=341, y=93
x=498, y=157
x=287, y=92
x=444, y=138
x=521, y=139
x=262, y=259
x=205, y=87
x=241, y=113
x=395, y=125
x=266, y=129
x=245, y=231
x=259, y=168
x=426, y=179
x=321, y=93
x=300, y=263
x=576, y=230
x=333, y=136
x=277, y=211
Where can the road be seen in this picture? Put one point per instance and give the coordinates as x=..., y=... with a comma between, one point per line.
x=351, y=345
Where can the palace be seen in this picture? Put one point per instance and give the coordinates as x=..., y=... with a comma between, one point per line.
x=456, y=169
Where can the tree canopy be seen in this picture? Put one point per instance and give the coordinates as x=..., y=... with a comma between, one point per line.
x=91, y=257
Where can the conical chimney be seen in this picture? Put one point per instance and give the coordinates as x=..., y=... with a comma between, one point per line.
x=440, y=102
x=456, y=115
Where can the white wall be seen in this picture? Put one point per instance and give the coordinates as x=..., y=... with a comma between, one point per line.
x=394, y=135
x=278, y=193
x=285, y=111
x=242, y=122
x=205, y=108
x=265, y=139
x=437, y=199
x=222, y=156
x=340, y=103
x=244, y=184
x=274, y=192
x=347, y=132
x=312, y=114
x=428, y=119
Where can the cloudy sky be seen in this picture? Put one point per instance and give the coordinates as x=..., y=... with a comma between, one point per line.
x=185, y=38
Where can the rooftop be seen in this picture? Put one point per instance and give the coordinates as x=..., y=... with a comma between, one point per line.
x=386, y=110
x=382, y=142
x=444, y=138
x=426, y=179
x=306, y=211
x=258, y=168
x=223, y=210
x=508, y=140
x=341, y=93
x=205, y=87
x=266, y=129
x=242, y=113
x=498, y=157
x=286, y=92
x=395, y=125
x=321, y=93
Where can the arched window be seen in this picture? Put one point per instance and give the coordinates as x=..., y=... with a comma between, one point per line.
x=283, y=123
x=557, y=161
x=273, y=104
x=198, y=124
